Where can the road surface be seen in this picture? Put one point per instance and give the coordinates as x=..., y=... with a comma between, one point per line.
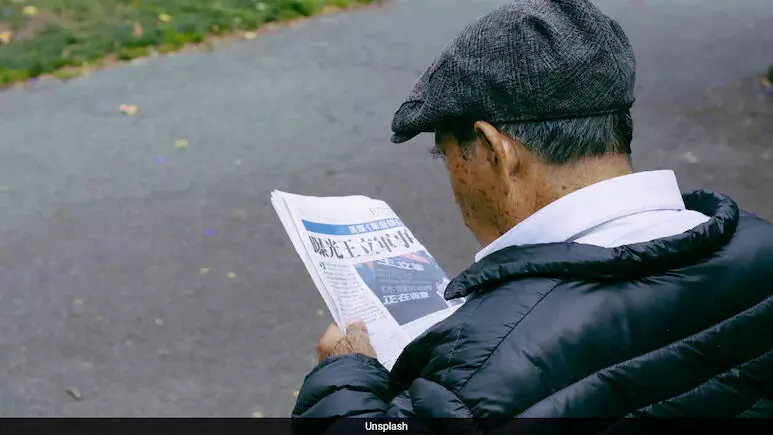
x=158, y=282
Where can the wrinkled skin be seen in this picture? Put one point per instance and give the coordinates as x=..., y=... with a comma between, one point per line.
x=334, y=342
x=490, y=178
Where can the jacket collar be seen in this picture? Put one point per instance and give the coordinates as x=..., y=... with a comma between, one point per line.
x=568, y=260
x=624, y=195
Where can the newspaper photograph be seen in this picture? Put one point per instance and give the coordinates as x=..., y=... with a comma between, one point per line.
x=366, y=264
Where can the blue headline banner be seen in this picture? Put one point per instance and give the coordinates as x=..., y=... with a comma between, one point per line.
x=348, y=230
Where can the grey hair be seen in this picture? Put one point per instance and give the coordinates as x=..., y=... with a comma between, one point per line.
x=557, y=141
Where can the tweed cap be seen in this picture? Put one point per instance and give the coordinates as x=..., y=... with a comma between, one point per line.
x=529, y=60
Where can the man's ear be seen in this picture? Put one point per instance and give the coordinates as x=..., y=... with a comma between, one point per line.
x=500, y=150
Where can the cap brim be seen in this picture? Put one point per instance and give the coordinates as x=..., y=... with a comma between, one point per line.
x=400, y=138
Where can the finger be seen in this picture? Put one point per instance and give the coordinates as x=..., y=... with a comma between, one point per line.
x=330, y=337
x=332, y=333
x=357, y=327
x=358, y=338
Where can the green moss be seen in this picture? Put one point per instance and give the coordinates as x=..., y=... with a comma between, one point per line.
x=338, y=3
x=129, y=53
x=168, y=48
x=71, y=33
x=8, y=75
x=67, y=74
x=306, y=7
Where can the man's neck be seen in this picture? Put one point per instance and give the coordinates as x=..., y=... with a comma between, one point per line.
x=556, y=181
x=546, y=183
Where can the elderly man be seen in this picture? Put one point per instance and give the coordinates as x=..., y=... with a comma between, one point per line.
x=599, y=292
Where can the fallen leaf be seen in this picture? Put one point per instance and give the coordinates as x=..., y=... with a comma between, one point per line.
x=231, y=275
x=690, y=157
x=164, y=17
x=5, y=37
x=138, y=30
x=257, y=414
x=159, y=322
x=181, y=143
x=767, y=86
x=128, y=109
x=30, y=11
x=250, y=35
x=77, y=306
x=295, y=393
x=204, y=271
x=72, y=391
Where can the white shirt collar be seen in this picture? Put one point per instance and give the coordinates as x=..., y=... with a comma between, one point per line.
x=593, y=205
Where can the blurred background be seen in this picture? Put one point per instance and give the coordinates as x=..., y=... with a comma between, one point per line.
x=142, y=269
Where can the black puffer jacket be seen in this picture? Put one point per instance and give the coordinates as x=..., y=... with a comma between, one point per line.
x=680, y=326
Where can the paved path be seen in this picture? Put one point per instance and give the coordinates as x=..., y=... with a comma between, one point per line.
x=104, y=226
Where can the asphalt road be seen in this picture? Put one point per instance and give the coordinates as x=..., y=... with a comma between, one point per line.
x=105, y=226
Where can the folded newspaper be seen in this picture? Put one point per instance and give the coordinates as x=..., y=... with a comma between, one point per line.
x=367, y=265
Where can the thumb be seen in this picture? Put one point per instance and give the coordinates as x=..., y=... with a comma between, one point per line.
x=359, y=340
x=357, y=328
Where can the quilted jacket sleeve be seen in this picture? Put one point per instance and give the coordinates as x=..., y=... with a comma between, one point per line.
x=358, y=386
x=352, y=385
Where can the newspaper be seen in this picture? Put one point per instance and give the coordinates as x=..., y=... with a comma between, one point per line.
x=367, y=265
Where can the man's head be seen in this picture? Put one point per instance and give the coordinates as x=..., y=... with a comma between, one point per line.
x=528, y=103
x=503, y=173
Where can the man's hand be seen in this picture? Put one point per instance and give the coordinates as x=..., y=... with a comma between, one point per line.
x=356, y=340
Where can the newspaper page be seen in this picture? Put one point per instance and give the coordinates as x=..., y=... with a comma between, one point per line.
x=367, y=265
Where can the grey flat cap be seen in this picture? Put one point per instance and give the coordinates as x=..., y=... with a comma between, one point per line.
x=529, y=60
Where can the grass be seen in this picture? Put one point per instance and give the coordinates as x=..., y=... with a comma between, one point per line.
x=60, y=37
